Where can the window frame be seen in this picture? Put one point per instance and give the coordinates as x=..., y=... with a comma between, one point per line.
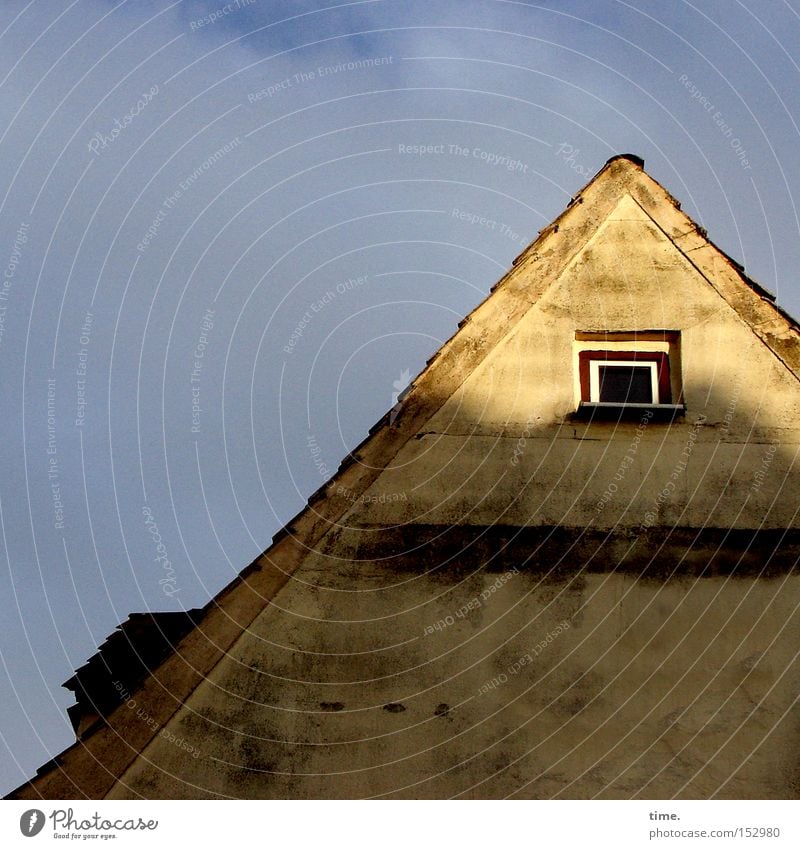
x=658, y=362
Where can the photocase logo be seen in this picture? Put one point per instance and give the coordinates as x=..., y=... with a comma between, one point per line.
x=399, y=386
x=31, y=822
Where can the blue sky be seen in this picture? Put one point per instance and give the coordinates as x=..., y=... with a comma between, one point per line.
x=241, y=180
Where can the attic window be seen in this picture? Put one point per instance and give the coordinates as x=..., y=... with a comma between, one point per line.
x=625, y=377
x=623, y=383
x=620, y=374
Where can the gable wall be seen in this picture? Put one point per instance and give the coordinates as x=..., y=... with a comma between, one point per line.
x=447, y=666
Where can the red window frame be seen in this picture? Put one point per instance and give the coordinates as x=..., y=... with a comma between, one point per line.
x=659, y=357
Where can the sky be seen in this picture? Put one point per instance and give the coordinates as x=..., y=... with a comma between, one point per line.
x=232, y=232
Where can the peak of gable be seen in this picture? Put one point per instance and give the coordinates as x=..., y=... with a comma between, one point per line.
x=483, y=446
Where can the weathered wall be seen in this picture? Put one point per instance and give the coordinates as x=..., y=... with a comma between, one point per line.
x=685, y=686
x=653, y=566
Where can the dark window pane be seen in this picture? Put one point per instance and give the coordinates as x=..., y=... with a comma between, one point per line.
x=626, y=384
